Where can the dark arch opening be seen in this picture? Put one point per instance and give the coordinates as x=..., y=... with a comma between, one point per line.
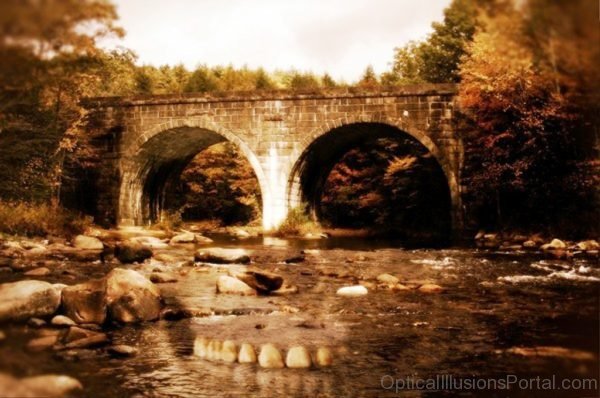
x=164, y=159
x=377, y=177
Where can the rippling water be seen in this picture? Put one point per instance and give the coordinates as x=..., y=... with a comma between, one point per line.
x=493, y=302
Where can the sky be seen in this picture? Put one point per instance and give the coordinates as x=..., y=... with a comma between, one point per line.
x=341, y=37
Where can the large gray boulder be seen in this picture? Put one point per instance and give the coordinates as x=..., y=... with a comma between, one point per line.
x=131, y=297
x=222, y=256
x=25, y=299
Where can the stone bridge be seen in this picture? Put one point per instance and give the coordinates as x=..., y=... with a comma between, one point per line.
x=292, y=140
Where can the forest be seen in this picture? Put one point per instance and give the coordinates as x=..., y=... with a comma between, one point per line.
x=528, y=90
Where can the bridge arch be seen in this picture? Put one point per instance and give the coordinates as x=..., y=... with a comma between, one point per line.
x=320, y=150
x=160, y=154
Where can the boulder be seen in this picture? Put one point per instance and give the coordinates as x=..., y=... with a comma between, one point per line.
x=240, y=233
x=351, y=291
x=132, y=252
x=38, y=386
x=588, y=245
x=131, y=297
x=87, y=243
x=555, y=244
x=387, y=279
x=270, y=357
x=297, y=258
x=262, y=281
x=298, y=357
x=86, y=302
x=324, y=357
x=247, y=354
x=187, y=237
x=25, y=299
x=222, y=256
x=228, y=285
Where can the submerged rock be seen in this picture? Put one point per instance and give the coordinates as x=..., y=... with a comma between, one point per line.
x=351, y=291
x=86, y=302
x=270, y=357
x=298, y=357
x=131, y=297
x=87, y=243
x=262, y=281
x=228, y=285
x=201, y=347
x=222, y=256
x=25, y=299
x=132, y=252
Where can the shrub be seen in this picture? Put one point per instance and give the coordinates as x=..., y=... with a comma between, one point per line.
x=169, y=221
x=298, y=223
x=32, y=219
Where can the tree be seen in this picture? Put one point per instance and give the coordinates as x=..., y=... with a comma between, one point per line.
x=327, y=81
x=202, y=80
x=521, y=153
x=369, y=78
x=48, y=61
x=437, y=59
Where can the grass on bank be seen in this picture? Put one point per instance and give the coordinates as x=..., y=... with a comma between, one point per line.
x=298, y=223
x=40, y=219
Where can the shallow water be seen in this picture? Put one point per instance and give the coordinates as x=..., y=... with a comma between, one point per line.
x=492, y=302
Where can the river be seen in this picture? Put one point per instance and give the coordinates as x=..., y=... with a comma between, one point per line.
x=496, y=308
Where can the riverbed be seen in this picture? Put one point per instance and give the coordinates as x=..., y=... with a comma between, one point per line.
x=499, y=314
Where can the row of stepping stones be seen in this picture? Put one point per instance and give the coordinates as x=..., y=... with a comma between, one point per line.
x=228, y=351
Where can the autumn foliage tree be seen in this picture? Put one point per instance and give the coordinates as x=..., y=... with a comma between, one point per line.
x=523, y=154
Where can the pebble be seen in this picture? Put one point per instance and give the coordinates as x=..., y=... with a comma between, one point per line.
x=351, y=291
x=122, y=350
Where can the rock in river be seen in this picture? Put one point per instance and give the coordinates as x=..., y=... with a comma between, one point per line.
x=186, y=237
x=350, y=291
x=87, y=243
x=132, y=252
x=247, y=354
x=227, y=284
x=260, y=280
x=86, y=302
x=387, y=279
x=25, y=299
x=222, y=256
x=131, y=297
x=38, y=386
